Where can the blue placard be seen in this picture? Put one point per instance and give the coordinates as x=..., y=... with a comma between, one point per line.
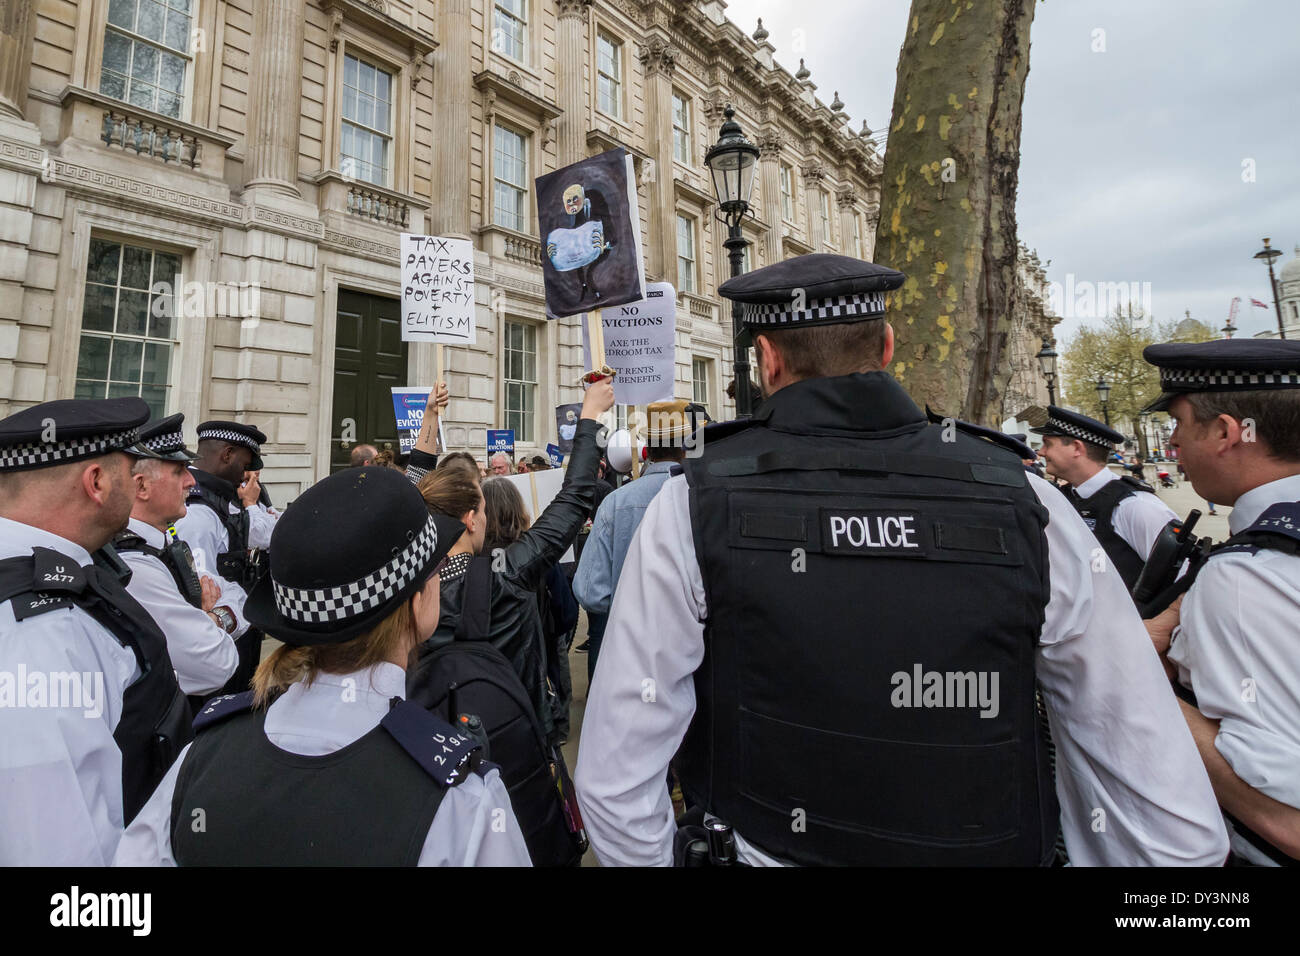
x=408, y=409
x=501, y=440
x=553, y=453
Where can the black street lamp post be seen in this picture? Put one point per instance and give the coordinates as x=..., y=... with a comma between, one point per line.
x=1266, y=256
x=1047, y=365
x=1103, y=393
x=731, y=163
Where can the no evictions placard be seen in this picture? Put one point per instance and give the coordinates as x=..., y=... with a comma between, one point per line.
x=640, y=344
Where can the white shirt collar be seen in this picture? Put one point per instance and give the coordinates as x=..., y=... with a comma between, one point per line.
x=18, y=540
x=152, y=536
x=1251, y=505
x=336, y=710
x=1095, y=483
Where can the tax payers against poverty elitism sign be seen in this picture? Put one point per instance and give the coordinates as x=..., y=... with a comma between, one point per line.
x=501, y=440
x=640, y=345
x=437, y=290
x=408, y=408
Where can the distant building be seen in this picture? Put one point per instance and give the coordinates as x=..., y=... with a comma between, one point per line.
x=1032, y=323
x=1288, y=297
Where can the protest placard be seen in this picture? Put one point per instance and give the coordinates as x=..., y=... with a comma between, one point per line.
x=437, y=290
x=408, y=408
x=640, y=345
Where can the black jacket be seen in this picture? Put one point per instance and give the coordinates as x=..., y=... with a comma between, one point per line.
x=516, y=628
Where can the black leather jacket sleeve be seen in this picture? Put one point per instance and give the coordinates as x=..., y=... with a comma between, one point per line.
x=420, y=464
x=542, y=545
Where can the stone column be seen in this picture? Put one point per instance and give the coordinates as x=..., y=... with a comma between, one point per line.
x=452, y=93
x=659, y=61
x=769, y=145
x=571, y=59
x=274, y=97
x=813, y=174
x=847, y=200
x=17, y=30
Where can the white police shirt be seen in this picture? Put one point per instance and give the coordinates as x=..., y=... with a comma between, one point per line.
x=203, y=655
x=1122, y=746
x=207, y=537
x=1235, y=648
x=60, y=769
x=314, y=721
x=1138, y=519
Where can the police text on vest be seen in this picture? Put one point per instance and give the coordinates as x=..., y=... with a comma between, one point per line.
x=922, y=688
x=75, y=908
x=873, y=531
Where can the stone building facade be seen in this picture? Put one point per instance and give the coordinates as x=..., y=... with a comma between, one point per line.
x=1288, y=299
x=1032, y=324
x=201, y=200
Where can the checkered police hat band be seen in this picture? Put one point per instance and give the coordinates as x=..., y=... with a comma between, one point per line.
x=815, y=310
x=234, y=438
x=171, y=441
x=1194, y=379
x=48, y=453
x=327, y=605
x=1083, y=434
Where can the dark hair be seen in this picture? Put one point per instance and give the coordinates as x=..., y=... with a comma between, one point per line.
x=1275, y=413
x=829, y=350
x=1098, y=453
x=451, y=491
x=460, y=460
x=538, y=463
x=507, y=518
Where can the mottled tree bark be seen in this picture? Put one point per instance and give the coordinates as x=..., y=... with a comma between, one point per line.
x=948, y=203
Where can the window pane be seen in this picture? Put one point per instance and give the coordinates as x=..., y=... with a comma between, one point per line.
x=135, y=268
x=97, y=313
x=172, y=75
x=117, y=52
x=169, y=104
x=150, y=21
x=112, y=84
x=122, y=13
x=366, y=78
x=157, y=363
x=92, y=360
x=123, y=389
x=165, y=267
x=141, y=94
x=383, y=83
x=89, y=389
x=162, y=310
x=144, y=63
x=125, y=366
x=102, y=264
x=132, y=312
x=350, y=64
x=178, y=31
x=155, y=397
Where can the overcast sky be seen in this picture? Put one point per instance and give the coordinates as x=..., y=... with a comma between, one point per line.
x=1131, y=159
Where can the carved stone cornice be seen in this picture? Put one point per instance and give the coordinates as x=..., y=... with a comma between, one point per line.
x=770, y=144
x=657, y=56
x=813, y=173
x=846, y=197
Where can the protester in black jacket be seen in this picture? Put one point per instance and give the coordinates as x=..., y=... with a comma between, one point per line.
x=521, y=559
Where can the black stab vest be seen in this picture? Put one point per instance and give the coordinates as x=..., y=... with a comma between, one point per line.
x=155, y=720
x=242, y=801
x=175, y=557
x=1097, y=512
x=218, y=494
x=857, y=567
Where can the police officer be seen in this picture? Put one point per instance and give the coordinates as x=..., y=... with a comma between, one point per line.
x=1122, y=511
x=164, y=580
x=1236, y=405
x=851, y=614
x=218, y=525
x=93, y=716
x=324, y=762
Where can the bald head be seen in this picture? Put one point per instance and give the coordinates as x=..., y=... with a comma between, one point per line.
x=363, y=455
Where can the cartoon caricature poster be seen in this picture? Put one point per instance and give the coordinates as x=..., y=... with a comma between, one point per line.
x=591, y=235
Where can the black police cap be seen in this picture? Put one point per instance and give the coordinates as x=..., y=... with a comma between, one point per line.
x=816, y=289
x=352, y=548
x=236, y=433
x=1068, y=424
x=68, y=430
x=1224, y=365
x=164, y=439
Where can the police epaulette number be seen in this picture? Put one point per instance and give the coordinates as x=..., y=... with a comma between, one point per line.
x=432, y=742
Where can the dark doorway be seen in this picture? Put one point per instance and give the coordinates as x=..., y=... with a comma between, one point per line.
x=369, y=361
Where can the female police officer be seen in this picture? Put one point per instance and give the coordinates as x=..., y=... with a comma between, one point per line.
x=323, y=762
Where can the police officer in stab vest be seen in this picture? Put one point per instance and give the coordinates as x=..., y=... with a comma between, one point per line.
x=92, y=716
x=217, y=527
x=186, y=605
x=851, y=616
x=1233, y=654
x=324, y=762
x=1122, y=511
